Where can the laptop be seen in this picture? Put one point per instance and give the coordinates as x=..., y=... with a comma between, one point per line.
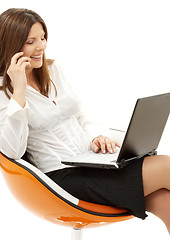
x=142, y=137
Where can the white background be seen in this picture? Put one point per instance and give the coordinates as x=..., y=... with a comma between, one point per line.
x=112, y=52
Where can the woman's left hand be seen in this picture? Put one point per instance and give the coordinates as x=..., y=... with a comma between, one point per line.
x=105, y=144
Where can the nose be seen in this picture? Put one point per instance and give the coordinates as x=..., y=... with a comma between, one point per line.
x=41, y=46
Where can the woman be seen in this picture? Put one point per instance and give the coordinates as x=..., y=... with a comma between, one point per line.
x=40, y=114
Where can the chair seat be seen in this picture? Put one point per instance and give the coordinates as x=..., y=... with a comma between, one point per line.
x=101, y=208
x=43, y=197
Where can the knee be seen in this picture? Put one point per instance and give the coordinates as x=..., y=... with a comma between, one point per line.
x=164, y=171
x=163, y=165
x=156, y=173
x=160, y=162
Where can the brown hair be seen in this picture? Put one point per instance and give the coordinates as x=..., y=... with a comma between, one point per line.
x=15, y=25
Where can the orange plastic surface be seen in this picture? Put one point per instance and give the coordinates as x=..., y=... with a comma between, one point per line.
x=42, y=202
x=101, y=208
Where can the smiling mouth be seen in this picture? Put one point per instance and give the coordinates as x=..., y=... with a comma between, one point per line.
x=37, y=58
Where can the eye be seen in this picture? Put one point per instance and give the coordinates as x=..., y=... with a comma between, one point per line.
x=43, y=37
x=29, y=42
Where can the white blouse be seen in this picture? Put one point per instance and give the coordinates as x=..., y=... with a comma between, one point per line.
x=50, y=129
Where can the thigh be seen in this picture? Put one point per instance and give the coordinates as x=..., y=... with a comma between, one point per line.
x=155, y=172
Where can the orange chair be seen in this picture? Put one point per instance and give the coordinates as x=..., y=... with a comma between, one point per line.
x=46, y=199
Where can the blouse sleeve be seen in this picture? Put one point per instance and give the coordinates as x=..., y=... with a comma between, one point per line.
x=13, y=127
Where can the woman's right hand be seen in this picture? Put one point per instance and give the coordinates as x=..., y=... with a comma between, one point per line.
x=16, y=71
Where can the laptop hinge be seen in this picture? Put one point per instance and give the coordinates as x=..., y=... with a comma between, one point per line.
x=153, y=152
x=124, y=162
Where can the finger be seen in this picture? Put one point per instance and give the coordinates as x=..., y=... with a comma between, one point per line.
x=14, y=59
x=95, y=145
x=25, y=65
x=113, y=146
x=109, y=146
x=102, y=143
x=95, y=148
x=117, y=144
x=23, y=59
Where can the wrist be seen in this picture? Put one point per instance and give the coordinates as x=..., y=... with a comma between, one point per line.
x=19, y=96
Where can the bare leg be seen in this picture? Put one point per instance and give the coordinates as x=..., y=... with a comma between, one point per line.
x=158, y=203
x=156, y=183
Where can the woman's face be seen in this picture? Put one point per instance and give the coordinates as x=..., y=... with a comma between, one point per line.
x=35, y=45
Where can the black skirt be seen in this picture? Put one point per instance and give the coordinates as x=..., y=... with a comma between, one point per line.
x=121, y=188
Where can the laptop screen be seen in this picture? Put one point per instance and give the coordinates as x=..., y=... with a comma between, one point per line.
x=146, y=126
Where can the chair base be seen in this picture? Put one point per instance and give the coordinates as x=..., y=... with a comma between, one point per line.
x=77, y=234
